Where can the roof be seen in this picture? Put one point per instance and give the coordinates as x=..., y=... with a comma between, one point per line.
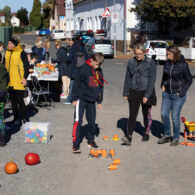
x=2, y=13
x=60, y=5
x=77, y=1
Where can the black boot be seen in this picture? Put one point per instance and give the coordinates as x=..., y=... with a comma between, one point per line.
x=145, y=137
x=127, y=140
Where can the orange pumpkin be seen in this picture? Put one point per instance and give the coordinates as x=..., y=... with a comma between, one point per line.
x=11, y=168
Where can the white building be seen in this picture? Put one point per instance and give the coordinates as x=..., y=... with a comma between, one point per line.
x=15, y=21
x=88, y=15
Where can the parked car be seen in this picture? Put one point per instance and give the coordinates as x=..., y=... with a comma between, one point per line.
x=159, y=48
x=84, y=35
x=57, y=34
x=44, y=32
x=100, y=44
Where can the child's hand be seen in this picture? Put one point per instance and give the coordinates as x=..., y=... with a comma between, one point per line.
x=99, y=106
x=74, y=103
x=125, y=98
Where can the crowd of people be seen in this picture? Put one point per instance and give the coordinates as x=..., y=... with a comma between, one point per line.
x=83, y=82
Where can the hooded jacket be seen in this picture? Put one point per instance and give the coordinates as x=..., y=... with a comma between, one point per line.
x=176, y=77
x=72, y=58
x=17, y=65
x=89, y=84
x=140, y=76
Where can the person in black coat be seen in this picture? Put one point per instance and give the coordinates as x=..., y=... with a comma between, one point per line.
x=176, y=81
x=139, y=90
x=62, y=62
x=72, y=58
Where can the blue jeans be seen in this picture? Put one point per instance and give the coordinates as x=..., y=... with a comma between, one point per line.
x=171, y=103
x=70, y=90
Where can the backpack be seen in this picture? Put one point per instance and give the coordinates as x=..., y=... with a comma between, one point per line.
x=80, y=59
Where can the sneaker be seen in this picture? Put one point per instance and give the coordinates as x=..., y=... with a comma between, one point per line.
x=92, y=145
x=62, y=96
x=174, y=142
x=66, y=102
x=164, y=139
x=76, y=149
x=145, y=137
x=127, y=140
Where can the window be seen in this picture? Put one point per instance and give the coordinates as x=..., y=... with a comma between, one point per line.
x=103, y=41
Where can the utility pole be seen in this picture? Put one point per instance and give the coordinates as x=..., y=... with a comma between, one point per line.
x=114, y=32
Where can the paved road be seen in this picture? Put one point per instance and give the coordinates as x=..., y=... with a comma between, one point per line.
x=146, y=168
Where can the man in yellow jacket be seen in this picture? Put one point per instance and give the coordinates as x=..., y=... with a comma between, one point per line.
x=17, y=65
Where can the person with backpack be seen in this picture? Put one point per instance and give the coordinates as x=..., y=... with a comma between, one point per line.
x=77, y=57
x=62, y=62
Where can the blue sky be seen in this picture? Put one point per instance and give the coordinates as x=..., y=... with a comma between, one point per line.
x=15, y=5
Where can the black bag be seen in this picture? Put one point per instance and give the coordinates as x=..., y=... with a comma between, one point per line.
x=80, y=59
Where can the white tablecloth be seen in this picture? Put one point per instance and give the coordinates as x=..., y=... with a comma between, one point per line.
x=46, y=77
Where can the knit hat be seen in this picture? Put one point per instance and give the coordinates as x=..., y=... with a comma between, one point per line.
x=13, y=40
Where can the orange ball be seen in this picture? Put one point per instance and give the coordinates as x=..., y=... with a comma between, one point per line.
x=11, y=168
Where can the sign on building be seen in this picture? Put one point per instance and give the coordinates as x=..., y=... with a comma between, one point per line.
x=106, y=13
x=115, y=17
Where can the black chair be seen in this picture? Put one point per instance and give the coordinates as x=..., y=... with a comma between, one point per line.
x=38, y=91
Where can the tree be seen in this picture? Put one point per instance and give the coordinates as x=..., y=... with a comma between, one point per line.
x=47, y=12
x=163, y=12
x=35, y=15
x=22, y=14
x=7, y=11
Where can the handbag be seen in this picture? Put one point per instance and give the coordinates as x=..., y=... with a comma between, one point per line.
x=27, y=96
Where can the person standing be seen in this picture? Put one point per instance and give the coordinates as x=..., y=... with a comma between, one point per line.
x=176, y=81
x=62, y=62
x=87, y=90
x=76, y=48
x=139, y=89
x=3, y=94
x=17, y=65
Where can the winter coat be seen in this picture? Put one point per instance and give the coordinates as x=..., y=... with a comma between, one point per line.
x=140, y=76
x=17, y=65
x=39, y=52
x=88, y=84
x=72, y=58
x=62, y=61
x=4, y=79
x=176, y=77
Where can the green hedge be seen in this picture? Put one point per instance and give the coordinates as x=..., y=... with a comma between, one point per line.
x=19, y=29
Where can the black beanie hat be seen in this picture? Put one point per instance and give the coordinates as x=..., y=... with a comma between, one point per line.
x=14, y=41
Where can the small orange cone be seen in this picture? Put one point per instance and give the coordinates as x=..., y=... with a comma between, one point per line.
x=112, y=167
x=115, y=137
x=105, y=138
x=116, y=161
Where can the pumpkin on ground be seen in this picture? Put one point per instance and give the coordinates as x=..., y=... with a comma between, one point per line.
x=11, y=168
x=32, y=158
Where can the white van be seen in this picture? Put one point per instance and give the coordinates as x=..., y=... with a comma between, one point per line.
x=159, y=49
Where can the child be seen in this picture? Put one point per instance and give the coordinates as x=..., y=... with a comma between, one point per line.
x=4, y=79
x=87, y=90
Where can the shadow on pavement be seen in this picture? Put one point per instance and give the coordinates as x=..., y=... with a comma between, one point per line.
x=13, y=129
x=84, y=131
x=156, y=128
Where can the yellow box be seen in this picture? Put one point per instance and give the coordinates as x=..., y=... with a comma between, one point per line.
x=190, y=125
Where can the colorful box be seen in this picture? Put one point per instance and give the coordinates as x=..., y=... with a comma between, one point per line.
x=36, y=132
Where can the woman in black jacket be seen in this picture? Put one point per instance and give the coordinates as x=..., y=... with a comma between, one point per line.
x=139, y=90
x=62, y=62
x=176, y=81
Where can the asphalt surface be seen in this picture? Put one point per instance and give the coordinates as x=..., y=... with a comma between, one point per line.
x=146, y=168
